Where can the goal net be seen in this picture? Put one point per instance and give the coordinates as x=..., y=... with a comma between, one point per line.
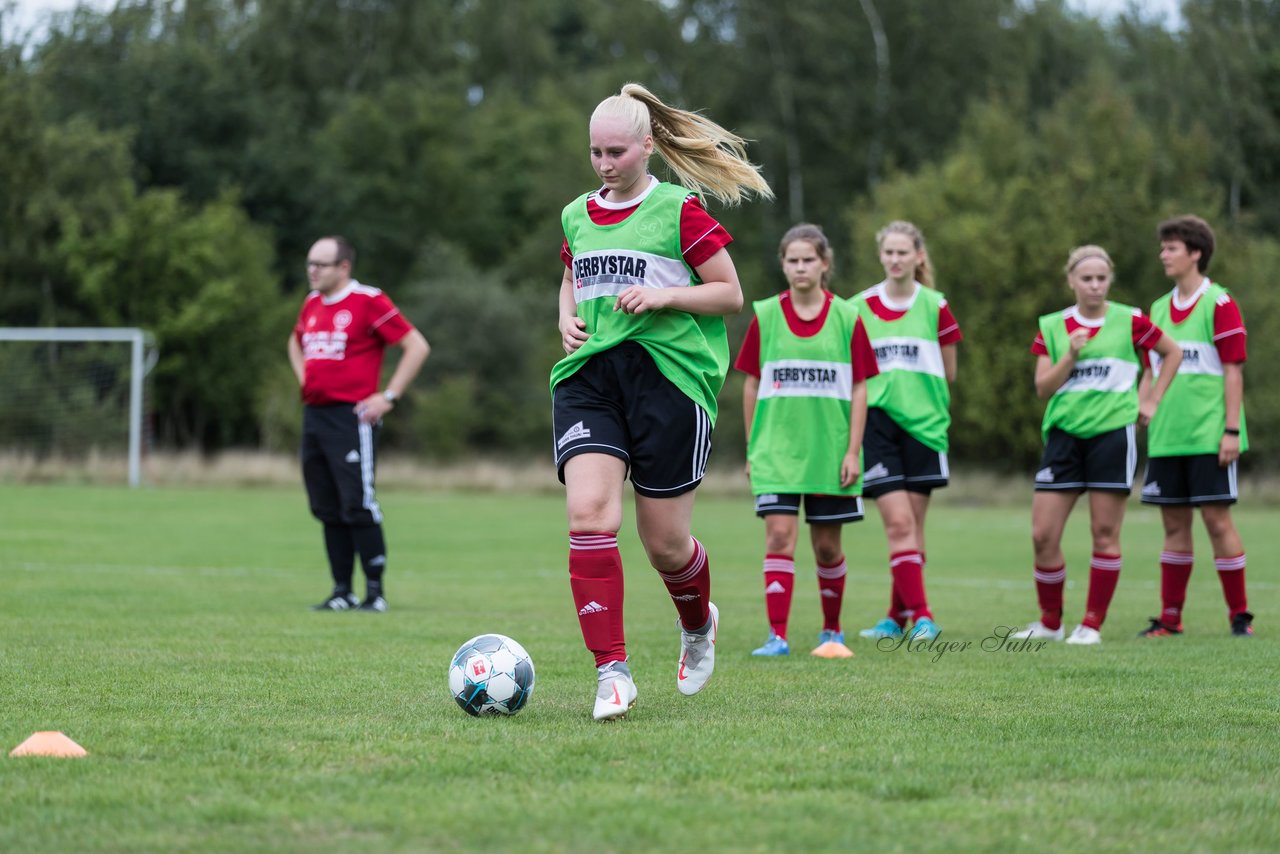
x=68, y=394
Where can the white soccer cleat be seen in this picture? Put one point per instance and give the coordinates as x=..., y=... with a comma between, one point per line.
x=697, y=655
x=615, y=694
x=1083, y=635
x=1037, y=631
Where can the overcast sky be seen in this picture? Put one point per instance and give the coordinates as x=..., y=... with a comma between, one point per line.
x=30, y=13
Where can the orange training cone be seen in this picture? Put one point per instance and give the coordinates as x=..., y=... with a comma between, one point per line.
x=48, y=744
x=833, y=649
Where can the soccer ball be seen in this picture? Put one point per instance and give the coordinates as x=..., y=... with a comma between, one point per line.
x=491, y=675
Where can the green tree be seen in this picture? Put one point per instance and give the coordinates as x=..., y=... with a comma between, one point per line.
x=58, y=182
x=200, y=279
x=485, y=386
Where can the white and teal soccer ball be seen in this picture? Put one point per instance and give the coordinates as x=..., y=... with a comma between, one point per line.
x=491, y=675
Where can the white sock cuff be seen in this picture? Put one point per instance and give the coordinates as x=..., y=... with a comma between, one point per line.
x=592, y=542
x=1229, y=564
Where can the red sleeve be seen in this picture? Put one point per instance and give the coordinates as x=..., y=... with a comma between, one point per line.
x=565, y=255
x=948, y=328
x=700, y=235
x=297, y=324
x=1145, y=333
x=748, y=360
x=865, y=365
x=1038, y=346
x=1229, y=334
x=387, y=321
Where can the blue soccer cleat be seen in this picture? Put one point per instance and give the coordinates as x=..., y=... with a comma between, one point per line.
x=925, y=630
x=774, y=646
x=886, y=628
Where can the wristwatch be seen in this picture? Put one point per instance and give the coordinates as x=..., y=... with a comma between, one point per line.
x=389, y=396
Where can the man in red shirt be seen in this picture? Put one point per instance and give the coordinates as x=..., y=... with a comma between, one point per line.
x=336, y=351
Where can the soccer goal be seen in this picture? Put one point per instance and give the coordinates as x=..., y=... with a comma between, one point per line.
x=74, y=392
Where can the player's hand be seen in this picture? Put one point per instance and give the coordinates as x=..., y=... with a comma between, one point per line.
x=1228, y=450
x=1077, y=339
x=573, y=333
x=1146, y=411
x=372, y=408
x=746, y=469
x=849, y=469
x=638, y=299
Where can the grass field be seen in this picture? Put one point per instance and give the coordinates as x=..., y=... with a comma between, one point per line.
x=167, y=631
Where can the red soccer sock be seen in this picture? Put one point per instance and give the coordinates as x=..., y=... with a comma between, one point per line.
x=1175, y=574
x=690, y=589
x=1231, y=575
x=1050, y=582
x=779, y=581
x=831, y=589
x=908, y=582
x=897, y=610
x=595, y=577
x=1104, y=574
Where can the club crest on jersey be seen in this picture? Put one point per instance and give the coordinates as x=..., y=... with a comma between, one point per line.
x=648, y=226
x=342, y=319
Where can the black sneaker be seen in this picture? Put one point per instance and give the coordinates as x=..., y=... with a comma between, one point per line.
x=338, y=602
x=1242, y=625
x=1158, y=629
x=374, y=603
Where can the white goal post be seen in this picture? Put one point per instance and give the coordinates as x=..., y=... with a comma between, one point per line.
x=141, y=360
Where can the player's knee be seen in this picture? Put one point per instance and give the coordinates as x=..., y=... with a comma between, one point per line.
x=1218, y=523
x=780, y=539
x=900, y=529
x=1176, y=521
x=668, y=553
x=827, y=554
x=1043, y=538
x=779, y=544
x=1106, y=535
x=595, y=516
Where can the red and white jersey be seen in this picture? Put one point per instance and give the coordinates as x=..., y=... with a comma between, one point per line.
x=1145, y=334
x=861, y=354
x=948, y=327
x=1229, y=335
x=343, y=339
x=700, y=235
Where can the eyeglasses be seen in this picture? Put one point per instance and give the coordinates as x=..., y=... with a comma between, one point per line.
x=320, y=265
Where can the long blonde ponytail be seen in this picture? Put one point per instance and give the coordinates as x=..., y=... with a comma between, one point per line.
x=704, y=156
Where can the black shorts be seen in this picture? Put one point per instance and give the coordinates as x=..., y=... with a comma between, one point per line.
x=620, y=404
x=823, y=509
x=1104, y=462
x=1195, y=479
x=339, y=456
x=893, y=459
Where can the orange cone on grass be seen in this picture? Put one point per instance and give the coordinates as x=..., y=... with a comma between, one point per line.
x=49, y=744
